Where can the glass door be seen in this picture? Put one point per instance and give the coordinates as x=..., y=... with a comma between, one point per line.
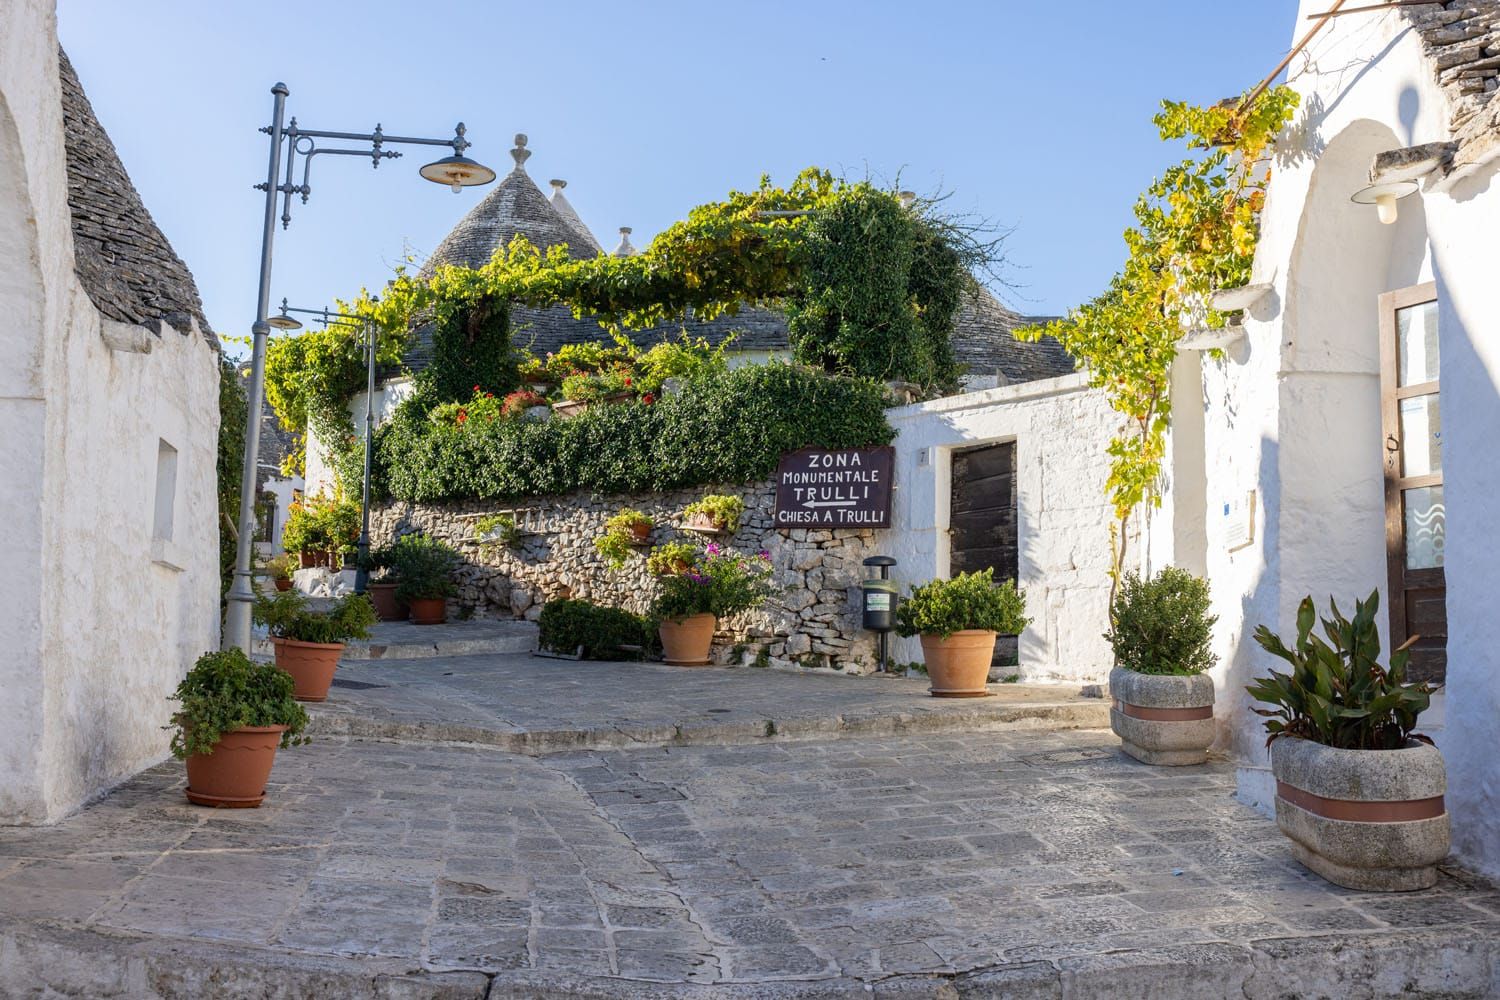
x=1415, y=513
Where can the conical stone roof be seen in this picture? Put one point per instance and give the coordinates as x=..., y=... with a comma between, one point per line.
x=516, y=205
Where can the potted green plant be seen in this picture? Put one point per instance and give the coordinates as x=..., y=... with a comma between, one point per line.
x=627, y=529
x=382, y=583
x=582, y=390
x=672, y=559
x=1161, y=632
x=497, y=530
x=424, y=567
x=280, y=570
x=958, y=621
x=688, y=606
x=234, y=714
x=309, y=643
x=1359, y=793
x=715, y=512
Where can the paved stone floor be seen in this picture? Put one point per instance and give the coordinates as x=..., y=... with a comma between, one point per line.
x=1013, y=863
x=529, y=704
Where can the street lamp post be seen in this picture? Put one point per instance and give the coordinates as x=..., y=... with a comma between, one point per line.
x=457, y=171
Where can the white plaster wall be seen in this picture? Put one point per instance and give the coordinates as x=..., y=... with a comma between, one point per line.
x=96, y=632
x=1292, y=411
x=1061, y=428
x=285, y=491
x=319, y=471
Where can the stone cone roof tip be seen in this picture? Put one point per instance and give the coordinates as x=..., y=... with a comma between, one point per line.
x=564, y=208
x=626, y=248
x=515, y=205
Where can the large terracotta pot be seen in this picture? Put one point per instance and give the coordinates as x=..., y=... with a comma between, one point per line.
x=959, y=666
x=1363, y=819
x=687, y=642
x=429, y=610
x=1162, y=718
x=388, y=608
x=234, y=776
x=311, y=665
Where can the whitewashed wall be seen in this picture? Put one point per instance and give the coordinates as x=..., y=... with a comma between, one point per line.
x=101, y=619
x=1060, y=428
x=1292, y=414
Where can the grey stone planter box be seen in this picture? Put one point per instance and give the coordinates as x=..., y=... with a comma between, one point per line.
x=1363, y=819
x=1162, y=718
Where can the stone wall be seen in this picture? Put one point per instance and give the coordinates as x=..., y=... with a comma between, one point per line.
x=815, y=623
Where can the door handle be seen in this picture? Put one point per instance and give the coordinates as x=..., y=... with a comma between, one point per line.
x=1391, y=443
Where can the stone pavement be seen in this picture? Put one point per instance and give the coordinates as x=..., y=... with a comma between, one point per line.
x=1009, y=863
x=533, y=704
x=403, y=640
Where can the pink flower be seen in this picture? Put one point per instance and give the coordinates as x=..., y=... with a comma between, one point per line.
x=712, y=548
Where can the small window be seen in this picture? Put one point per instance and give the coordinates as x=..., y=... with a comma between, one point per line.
x=166, y=491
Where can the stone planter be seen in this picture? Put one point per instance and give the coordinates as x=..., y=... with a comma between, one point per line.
x=388, y=608
x=1162, y=718
x=429, y=610
x=563, y=409
x=234, y=776
x=959, y=666
x=311, y=665
x=704, y=523
x=688, y=641
x=1363, y=819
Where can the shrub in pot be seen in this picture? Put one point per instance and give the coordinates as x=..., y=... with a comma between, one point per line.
x=424, y=566
x=309, y=643
x=1358, y=792
x=672, y=559
x=688, y=606
x=280, y=570
x=234, y=715
x=1161, y=631
x=592, y=630
x=958, y=621
x=382, y=584
x=715, y=512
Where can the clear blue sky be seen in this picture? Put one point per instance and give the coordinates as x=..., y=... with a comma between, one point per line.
x=1035, y=114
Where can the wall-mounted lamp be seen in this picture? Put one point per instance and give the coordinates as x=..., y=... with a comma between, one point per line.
x=1384, y=198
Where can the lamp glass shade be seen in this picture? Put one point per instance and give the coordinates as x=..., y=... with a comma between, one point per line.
x=284, y=322
x=457, y=172
x=1384, y=198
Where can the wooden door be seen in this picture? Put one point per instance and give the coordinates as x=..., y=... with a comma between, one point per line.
x=982, y=517
x=1415, y=512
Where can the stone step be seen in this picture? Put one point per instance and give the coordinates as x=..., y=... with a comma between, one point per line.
x=405, y=641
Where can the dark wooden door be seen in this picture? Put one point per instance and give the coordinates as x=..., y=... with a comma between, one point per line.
x=1415, y=512
x=982, y=519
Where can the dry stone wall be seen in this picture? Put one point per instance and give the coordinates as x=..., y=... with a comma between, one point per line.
x=815, y=623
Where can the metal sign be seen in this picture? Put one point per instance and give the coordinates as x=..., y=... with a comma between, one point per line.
x=848, y=488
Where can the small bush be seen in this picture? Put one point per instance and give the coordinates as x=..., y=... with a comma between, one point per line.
x=968, y=601
x=226, y=691
x=568, y=624
x=1162, y=625
x=423, y=568
x=286, y=614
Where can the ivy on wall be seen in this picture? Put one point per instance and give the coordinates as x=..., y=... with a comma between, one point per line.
x=722, y=427
x=1195, y=233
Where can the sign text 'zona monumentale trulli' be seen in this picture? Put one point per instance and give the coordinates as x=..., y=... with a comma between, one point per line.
x=846, y=488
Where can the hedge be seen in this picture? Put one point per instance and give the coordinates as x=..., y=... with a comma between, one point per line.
x=726, y=427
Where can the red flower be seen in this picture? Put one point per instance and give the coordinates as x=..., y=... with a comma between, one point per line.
x=463, y=415
x=489, y=395
x=476, y=388
x=648, y=399
x=627, y=381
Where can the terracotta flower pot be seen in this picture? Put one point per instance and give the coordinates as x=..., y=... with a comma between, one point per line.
x=704, y=522
x=429, y=611
x=1363, y=819
x=312, y=560
x=283, y=585
x=234, y=776
x=687, y=642
x=1162, y=718
x=388, y=608
x=959, y=666
x=640, y=533
x=311, y=665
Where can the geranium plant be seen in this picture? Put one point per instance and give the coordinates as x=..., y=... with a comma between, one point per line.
x=227, y=690
x=723, y=583
x=594, y=387
x=1337, y=692
x=968, y=601
x=723, y=511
